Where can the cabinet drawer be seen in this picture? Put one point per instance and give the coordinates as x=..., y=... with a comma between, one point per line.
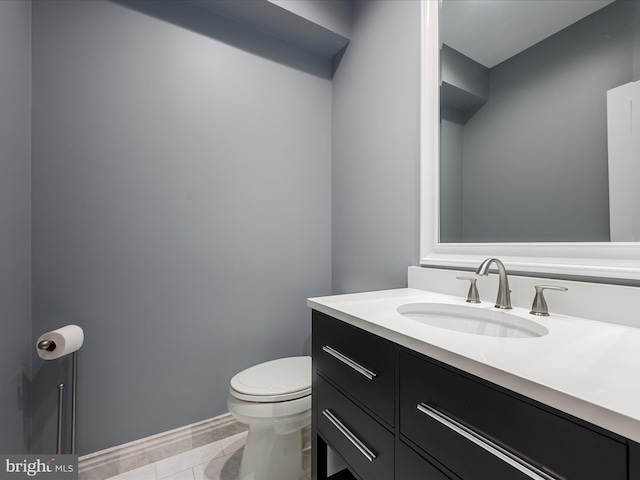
x=362, y=364
x=411, y=466
x=363, y=443
x=547, y=441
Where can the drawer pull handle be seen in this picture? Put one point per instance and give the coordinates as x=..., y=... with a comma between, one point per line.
x=346, y=360
x=350, y=436
x=484, y=443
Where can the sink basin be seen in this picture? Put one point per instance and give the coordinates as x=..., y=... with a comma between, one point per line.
x=487, y=321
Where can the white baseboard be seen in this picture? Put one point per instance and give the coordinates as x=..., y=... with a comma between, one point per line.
x=136, y=454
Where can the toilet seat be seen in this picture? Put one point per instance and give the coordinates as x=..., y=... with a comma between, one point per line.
x=279, y=380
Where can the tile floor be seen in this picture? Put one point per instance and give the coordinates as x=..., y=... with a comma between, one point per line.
x=216, y=461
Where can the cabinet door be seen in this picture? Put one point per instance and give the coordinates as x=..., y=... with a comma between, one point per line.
x=362, y=364
x=544, y=440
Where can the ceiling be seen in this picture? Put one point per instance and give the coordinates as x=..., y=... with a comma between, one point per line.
x=491, y=31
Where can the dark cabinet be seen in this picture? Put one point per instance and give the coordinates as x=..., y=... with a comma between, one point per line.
x=413, y=466
x=451, y=415
x=354, y=389
x=361, y=364
x=392, y=413
x=634, y=461
x=365, y=444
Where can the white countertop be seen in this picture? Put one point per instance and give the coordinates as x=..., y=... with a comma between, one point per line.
x=586, y=368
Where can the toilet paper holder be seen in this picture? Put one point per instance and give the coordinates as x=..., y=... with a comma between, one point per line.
x=50, y=346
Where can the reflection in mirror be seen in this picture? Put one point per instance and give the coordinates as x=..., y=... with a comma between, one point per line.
x=536, y=117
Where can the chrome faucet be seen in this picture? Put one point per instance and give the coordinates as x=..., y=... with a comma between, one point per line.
x=504, y=294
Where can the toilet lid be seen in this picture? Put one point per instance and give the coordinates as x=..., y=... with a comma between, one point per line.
x=277, y=380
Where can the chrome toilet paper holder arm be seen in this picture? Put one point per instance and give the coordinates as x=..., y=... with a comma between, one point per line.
x=48, y=345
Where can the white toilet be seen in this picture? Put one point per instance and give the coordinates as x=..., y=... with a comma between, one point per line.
x=274, y=399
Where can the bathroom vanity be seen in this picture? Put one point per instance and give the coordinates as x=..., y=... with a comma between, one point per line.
x=396, y=398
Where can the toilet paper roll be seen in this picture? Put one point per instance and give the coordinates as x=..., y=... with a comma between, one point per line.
x=65, y=340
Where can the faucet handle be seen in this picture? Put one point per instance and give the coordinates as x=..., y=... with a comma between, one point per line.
x=472, y=295
x=539, y=306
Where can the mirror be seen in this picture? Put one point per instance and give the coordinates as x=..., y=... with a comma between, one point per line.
x=617, y=261
x=536, y=116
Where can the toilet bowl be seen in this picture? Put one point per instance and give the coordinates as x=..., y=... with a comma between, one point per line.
x=274, y=399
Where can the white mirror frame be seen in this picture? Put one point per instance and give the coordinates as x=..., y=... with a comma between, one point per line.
x=595, y=259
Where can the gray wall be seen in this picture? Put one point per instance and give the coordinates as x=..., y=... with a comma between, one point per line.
x=375, y=167
x=181, y=214
x=464, y=74
x=635, y=43
x=182, y=204
x=15, y=219
x=451, y=170
x=334, y=15
x=529, y=174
